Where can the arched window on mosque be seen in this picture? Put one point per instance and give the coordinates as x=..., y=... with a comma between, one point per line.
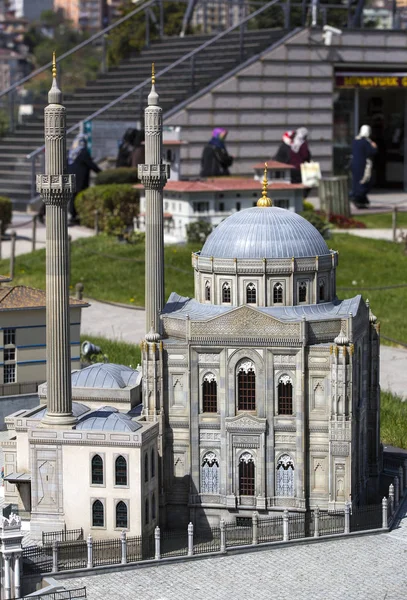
x=246, y=475
x=226, y=293
x=207, y=291
x=97, y=470
x=321, y=290
x=246, y=386
x=285, y=395
x=120, y=471
x=251, y=295
x=210, y=474
x=121, y=515
x=302, y=291
x=209, y=394
x=278, y=293
x=285, y=476
x=98, y=514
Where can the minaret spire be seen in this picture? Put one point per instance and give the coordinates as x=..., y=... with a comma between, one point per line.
x=154, y=175
x=264, y=201
x=56, y=188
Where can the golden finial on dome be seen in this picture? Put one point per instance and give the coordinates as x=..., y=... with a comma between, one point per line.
x=54, y=65
x=153, y=73
x=264, y=201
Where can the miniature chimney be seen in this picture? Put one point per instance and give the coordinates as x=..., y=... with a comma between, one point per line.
x=56, y=188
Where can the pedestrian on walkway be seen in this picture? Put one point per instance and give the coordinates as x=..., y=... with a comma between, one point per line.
x=363, y=151
x=299, y=153
x=215, y=159
x=283, y=152
x=80, y=164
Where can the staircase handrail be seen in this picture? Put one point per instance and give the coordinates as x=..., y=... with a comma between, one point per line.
x=83, y=44
x=162, y=72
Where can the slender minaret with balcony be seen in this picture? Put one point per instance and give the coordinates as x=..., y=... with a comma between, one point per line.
x=154, y=175
x=56, y=188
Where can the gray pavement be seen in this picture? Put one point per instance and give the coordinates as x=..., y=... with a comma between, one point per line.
x=359, y=568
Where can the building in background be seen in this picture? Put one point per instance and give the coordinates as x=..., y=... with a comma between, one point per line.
x=86, y=14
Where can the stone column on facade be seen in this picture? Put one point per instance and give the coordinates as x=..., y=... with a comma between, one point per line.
x=56, y=188
x=7, y=576
x=10, y=537
x=153, y=175
x=17, y=574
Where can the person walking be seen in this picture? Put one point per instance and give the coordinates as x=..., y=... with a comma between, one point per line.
x=299, y=153
x=283, y=152
x=363, y=151
x=80, y=164
x=215, y=160
x=126, y=148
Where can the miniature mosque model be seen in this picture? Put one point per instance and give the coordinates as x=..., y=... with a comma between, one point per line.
x=260, y=393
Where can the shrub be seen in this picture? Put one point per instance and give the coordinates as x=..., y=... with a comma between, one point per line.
x=343, y=222
x=6, y=213
x=308, y=206
x=117, y=206
x=198, y=231
x=318, y=221
x=120, y=175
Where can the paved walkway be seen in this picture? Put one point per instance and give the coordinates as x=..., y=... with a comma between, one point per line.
x=360, y=568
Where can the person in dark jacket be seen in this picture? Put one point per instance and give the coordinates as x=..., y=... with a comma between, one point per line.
x=283, y=153
x=363, y=151
x=215, y=160
x=126, y=148
x=299, y=153
x=80, y=164
x=138, y=154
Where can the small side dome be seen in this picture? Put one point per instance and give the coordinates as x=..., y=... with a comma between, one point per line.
x=264, y=232
x=107, y=418
x=78, y=409
x=106, y=375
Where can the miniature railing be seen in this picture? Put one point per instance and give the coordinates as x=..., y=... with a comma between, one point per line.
x=73, y=594
x=64, y=535
x=279, y=528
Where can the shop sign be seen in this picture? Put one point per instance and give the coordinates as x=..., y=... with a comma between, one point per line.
x=366, y=80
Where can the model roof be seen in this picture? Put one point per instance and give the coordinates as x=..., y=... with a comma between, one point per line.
x=20, y=296
x=224, y=184
x=107, y=418
x=264, y=232
x=105, y=375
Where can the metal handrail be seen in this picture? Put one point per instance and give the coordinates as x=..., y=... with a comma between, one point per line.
x=162, y=72
x=83, y=44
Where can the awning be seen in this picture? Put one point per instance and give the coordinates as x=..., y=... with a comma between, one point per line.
x=18, y=478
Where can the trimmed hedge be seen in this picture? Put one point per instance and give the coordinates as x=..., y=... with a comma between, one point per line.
x=318, y=222
x=6, y=213
x=117, y=206
x=120, y=175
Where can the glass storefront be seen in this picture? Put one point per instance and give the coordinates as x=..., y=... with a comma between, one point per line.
x=378, y=100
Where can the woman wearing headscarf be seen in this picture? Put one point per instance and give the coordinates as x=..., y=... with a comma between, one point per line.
x=363, y=150
x=80, y=164
x=299, y=153
x=283, y=152
x=215, y=159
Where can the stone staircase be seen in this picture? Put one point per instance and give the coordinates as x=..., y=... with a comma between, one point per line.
x=175, y=87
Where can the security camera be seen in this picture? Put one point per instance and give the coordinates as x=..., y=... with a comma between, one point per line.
x=89, y=349
x=328, y=33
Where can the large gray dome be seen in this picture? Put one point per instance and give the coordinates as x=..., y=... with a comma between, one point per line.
x=264, y=233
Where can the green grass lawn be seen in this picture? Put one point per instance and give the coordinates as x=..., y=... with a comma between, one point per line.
x=120, y=353
x=113, y=271
x=393, y=421
x=382, y=220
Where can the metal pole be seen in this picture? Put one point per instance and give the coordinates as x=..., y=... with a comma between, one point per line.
x=255, y=524
x=123, y=541
x=12, y=110
x=34, y=232
x=55, y=556
x=90, y=552
x=394, y=223
x=161, y=8
x=222, y=536
x=303, y=12
x=347, y=518
x=391, y=498
x=285, y=526
x=157, y=540
x=396, y=492
x=190, y=539
x=316, y=522
x=384, y=513
x=12, y=253
x=104, y=54
x=401, y=475
x=192, y=73
x=287, y=12
x=69, y=258
x=33, y=178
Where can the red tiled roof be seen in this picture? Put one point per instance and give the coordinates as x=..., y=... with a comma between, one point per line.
x=273, y=164
x=21, y=296
x=225, y=184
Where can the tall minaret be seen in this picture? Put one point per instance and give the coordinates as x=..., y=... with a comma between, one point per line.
x=56, y=188
x=154, y=175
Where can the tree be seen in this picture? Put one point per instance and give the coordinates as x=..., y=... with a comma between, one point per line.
x=198, y=231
